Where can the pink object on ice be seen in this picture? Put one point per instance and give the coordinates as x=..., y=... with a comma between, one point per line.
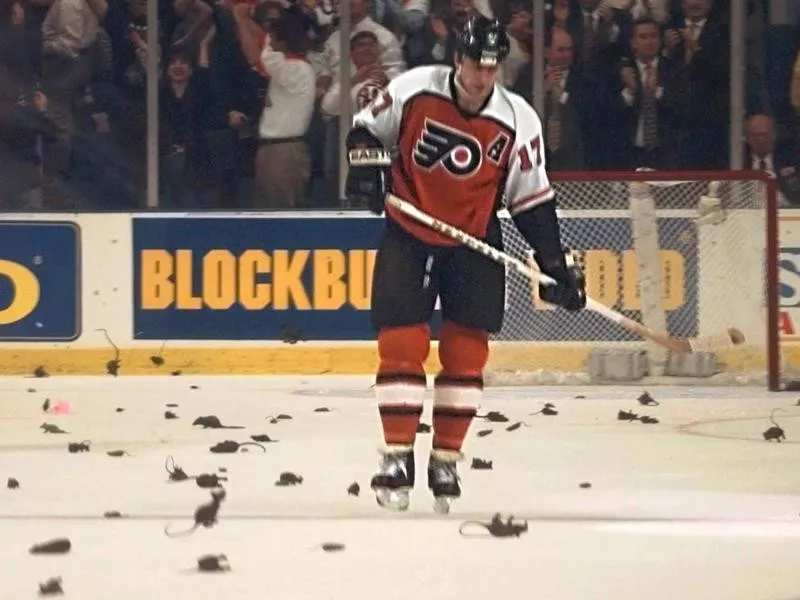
x=61, y=407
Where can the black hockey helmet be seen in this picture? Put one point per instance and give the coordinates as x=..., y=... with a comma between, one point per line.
x=484, y=40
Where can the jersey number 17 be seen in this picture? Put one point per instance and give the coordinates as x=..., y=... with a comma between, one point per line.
x=534, y=146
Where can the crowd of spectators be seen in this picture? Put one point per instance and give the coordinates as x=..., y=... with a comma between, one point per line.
x=249, y=97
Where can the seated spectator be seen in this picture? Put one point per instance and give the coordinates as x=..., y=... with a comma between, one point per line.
x=779, y=160
x=367, y=81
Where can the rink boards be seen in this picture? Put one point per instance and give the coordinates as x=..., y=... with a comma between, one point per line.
x=290, y=292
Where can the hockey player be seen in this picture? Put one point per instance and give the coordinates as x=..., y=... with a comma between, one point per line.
x=458, y=146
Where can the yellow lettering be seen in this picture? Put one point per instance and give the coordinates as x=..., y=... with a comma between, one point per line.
x=361, y=264
x=672, y=280
x=252, y=295
x=630, y=281
x=168, y=278
x=26, y=292
x=673, y=276
x=287, y=280
x=219, y=279
x=330, y=292
x=184, y=296
x=158, y=291
x=602, y=282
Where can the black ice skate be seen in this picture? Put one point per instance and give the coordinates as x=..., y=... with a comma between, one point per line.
x=443, y=479
x=393, y=483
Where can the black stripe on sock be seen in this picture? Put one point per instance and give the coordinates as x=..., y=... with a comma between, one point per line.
x=409, y=378
x=400, y=410
x=454, y=412
x=456, y=381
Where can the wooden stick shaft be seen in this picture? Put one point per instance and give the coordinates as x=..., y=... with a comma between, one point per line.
x=473, y=243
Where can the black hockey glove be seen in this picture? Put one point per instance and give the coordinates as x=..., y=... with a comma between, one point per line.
x=570, y=290
x=369, y=175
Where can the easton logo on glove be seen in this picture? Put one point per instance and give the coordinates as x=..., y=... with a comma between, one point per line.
x=369, y=157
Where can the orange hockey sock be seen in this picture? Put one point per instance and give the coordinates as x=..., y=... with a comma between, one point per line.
x=400, y=382
x=463, y=352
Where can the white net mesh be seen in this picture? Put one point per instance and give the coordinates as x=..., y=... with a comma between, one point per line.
x=686, y=257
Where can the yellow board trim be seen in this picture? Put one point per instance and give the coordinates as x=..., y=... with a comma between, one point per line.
x=281, y=360
x=309, y=360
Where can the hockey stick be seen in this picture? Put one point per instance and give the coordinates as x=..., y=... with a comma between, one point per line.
x=727, y=339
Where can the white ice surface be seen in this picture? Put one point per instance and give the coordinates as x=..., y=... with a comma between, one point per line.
x=696, y=507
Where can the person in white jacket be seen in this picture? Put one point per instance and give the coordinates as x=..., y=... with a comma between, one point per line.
x=391, y=54
x=367, y=80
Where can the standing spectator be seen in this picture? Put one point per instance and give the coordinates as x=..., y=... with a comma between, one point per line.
x=520, y=33
x=563, y=84
x=599, y=31
x=367, y=81
x=654, y=89
x=701, y=39
x=658, y=10
x=283, y=166
x=69, y=33
x=601, y=35
x=23, y=112
x=794, y=91
x=408, y=16
x=390, y=52
x=188, y=112
x=436, y=44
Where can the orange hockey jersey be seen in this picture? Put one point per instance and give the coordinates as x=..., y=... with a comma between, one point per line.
x=456, y=167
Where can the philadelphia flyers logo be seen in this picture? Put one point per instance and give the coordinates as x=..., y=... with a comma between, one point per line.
x=458, y=153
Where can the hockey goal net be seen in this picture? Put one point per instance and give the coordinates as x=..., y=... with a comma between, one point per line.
x=689, y=253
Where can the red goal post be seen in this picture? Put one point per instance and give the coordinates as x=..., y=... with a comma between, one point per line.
x=686, y=252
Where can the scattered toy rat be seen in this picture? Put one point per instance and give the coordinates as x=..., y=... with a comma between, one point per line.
x=205, y=515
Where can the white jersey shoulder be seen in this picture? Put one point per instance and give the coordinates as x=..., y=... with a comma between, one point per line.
x=432, y=79
x=384, y=114
x=527, y=184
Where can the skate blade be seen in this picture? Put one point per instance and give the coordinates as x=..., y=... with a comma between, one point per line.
x=442, y=505
x=393, y=499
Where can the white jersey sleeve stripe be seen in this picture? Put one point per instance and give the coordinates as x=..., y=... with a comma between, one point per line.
x=523, y=204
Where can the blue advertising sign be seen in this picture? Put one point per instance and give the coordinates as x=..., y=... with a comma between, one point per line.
x=261, y=278
x=253, y=278
x=40, y=287
x=604, y=248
